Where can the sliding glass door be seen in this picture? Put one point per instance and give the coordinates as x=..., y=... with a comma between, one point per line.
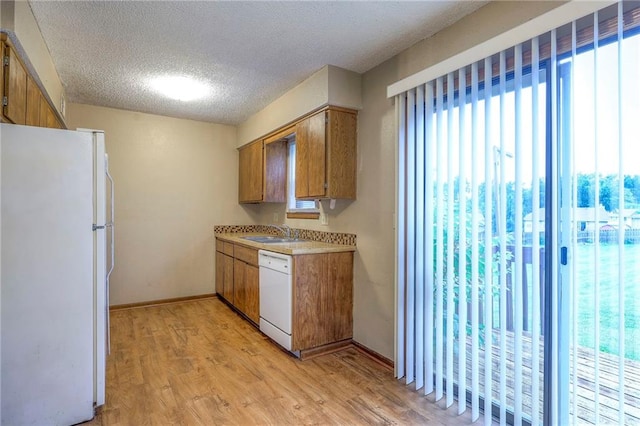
x=519, y=229
x=600, y=227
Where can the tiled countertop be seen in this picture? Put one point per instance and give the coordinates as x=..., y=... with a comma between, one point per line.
x=291, y=248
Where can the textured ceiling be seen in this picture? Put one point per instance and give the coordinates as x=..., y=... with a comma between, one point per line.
x=249, y=52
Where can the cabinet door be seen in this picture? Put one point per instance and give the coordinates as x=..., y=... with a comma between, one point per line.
x=3, y=49
x=227, y=292
x=239, y=285
x=252, y=293
x=323, y=299
x=317, y=155
x=44, y=110
x=341, y=154
x=16, y=89
x=275, y=172
x=250, y=173
x=338, y=295
x=302, y=159
x=309, y=317
x=219, y=273
x=33, y=103
x=52, y=120
x=311, y=157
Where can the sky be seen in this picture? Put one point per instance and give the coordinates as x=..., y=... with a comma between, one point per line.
x=584, y=127
x=607, y=109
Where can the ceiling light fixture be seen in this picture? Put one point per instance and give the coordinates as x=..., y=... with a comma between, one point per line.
x=180, y=88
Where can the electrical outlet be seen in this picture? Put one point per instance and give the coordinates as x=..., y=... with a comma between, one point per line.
x=324, y=219
x=275, y=218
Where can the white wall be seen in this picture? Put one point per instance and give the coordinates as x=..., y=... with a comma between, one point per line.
x=175, y=179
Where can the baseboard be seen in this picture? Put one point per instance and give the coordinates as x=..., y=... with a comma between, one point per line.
x=346, y=344
x=380, y=359
x=162, y=302
x=329, y=348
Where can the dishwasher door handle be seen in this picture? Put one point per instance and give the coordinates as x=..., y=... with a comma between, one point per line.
x=276, y=261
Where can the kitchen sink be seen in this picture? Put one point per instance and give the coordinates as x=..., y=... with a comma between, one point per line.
x=271, y=239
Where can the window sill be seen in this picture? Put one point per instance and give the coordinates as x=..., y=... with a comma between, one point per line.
x=303, y=215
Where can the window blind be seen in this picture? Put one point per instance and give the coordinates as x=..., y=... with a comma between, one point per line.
x=488, y=297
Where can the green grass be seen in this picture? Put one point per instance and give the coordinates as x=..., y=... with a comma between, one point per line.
x=608, y=291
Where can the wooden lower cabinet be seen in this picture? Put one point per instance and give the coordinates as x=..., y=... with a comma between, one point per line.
x=238, y=284
x=219, y=273
x=227, y=273
x=237, y=278
x=322, y=296
x=252, y=293
x=322, y=299
x=246, y=290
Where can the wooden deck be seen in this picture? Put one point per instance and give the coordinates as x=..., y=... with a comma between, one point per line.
x=608, y=392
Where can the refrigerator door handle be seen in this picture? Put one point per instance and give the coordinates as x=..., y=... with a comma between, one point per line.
x=111, y=226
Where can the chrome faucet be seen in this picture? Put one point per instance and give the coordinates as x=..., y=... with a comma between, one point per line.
x=284, y=228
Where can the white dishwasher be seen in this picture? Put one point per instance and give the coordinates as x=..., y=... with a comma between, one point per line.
x=275, y=296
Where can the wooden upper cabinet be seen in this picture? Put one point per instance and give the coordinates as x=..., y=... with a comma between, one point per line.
x=15, y=108
x=310, y=157
x=47, y=116
x=33, y=103
x=326, y=155
x=251, y=173
x=341, y=154
x=275, y=171
x=263, y=172
x=325, y=165
x=45, y=111
x=23, y=101
x=52, y=120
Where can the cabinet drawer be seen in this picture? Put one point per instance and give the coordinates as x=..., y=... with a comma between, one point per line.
x=219, y=246
x=227, y=248
x=246, y=254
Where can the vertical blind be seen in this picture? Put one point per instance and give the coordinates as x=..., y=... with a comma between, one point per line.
x=488, y=228
x=460, y=240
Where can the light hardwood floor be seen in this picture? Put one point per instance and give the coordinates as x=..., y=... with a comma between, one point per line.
x=199, y=363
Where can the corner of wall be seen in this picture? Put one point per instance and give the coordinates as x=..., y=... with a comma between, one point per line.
x=345, y=88
x=330, y=85
x=312, y=93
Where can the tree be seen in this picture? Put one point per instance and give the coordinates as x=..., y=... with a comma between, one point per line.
x=609, y=193
x=586, y=190
x=632, y=184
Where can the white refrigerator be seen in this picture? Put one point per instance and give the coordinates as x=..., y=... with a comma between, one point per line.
x=54, y=287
